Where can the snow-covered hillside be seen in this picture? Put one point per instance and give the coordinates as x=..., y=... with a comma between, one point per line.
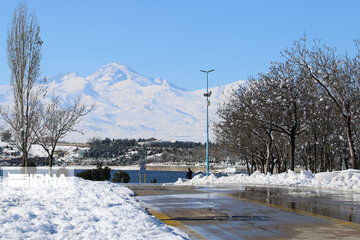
x=129, y=105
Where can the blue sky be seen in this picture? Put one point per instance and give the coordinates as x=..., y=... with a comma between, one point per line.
x=174, y=39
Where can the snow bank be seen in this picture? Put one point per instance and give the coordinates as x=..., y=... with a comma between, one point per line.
x=87, y=210
x=228, y=170
x=348, y=180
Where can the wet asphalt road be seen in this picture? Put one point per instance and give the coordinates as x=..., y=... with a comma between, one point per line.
x=254, y=212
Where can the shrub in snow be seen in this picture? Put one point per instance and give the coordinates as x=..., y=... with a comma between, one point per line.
x=121, y=176
x=97, y=174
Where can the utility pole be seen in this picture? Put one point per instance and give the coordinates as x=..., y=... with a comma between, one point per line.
x=207, y=95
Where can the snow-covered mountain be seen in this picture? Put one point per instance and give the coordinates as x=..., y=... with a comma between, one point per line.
x=129, y=105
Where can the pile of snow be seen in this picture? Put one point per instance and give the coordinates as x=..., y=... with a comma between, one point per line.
x=228, y=170
x=87, y=210
x=37, y=151
x=348, y=180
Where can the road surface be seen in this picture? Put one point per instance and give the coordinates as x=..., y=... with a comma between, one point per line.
x=253, y=212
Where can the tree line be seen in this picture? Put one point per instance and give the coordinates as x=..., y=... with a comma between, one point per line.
x=108, y=148
x=302, y=112
x=115, y=148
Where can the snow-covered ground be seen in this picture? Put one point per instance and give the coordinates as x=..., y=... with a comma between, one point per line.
x=347, y=180
x=70, y=152
x=85, y=210
x=104, y=210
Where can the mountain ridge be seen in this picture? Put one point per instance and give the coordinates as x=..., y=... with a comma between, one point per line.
x=130, y=105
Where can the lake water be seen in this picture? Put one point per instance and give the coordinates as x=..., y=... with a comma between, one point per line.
x=161, y=176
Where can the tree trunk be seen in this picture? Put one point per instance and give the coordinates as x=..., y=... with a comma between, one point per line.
x=350, y=141
x=341, y=164
x=284, y=166
x=325, y=160
x=51, y=160
x=268, y=154
x=315, y=153
x=25, y=162
x=292, y=150
x=247, y=166
x=253, y=166
x=346, y=163
x=272, y=166
x=322, y=159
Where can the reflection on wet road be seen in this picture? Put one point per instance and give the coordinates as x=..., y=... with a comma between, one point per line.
x=253, y=212
x=336, y=204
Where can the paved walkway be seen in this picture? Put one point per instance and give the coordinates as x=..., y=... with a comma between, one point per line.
x=227, y=213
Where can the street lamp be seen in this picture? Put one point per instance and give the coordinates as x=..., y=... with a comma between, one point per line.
x=207, y=95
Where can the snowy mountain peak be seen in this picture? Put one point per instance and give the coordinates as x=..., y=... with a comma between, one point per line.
x=116, y=72
x=130, y=105
x=116, y=67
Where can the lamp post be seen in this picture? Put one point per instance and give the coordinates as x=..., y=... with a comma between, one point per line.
x=207, y=95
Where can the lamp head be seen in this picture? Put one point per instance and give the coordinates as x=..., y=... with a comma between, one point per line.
x=207, y=71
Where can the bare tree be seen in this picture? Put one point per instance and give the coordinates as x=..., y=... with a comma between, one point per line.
x=56, y=122
x=339, y=76
x=24, y=54
x=286, y=82
x=304, y=111
x=243, y=128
